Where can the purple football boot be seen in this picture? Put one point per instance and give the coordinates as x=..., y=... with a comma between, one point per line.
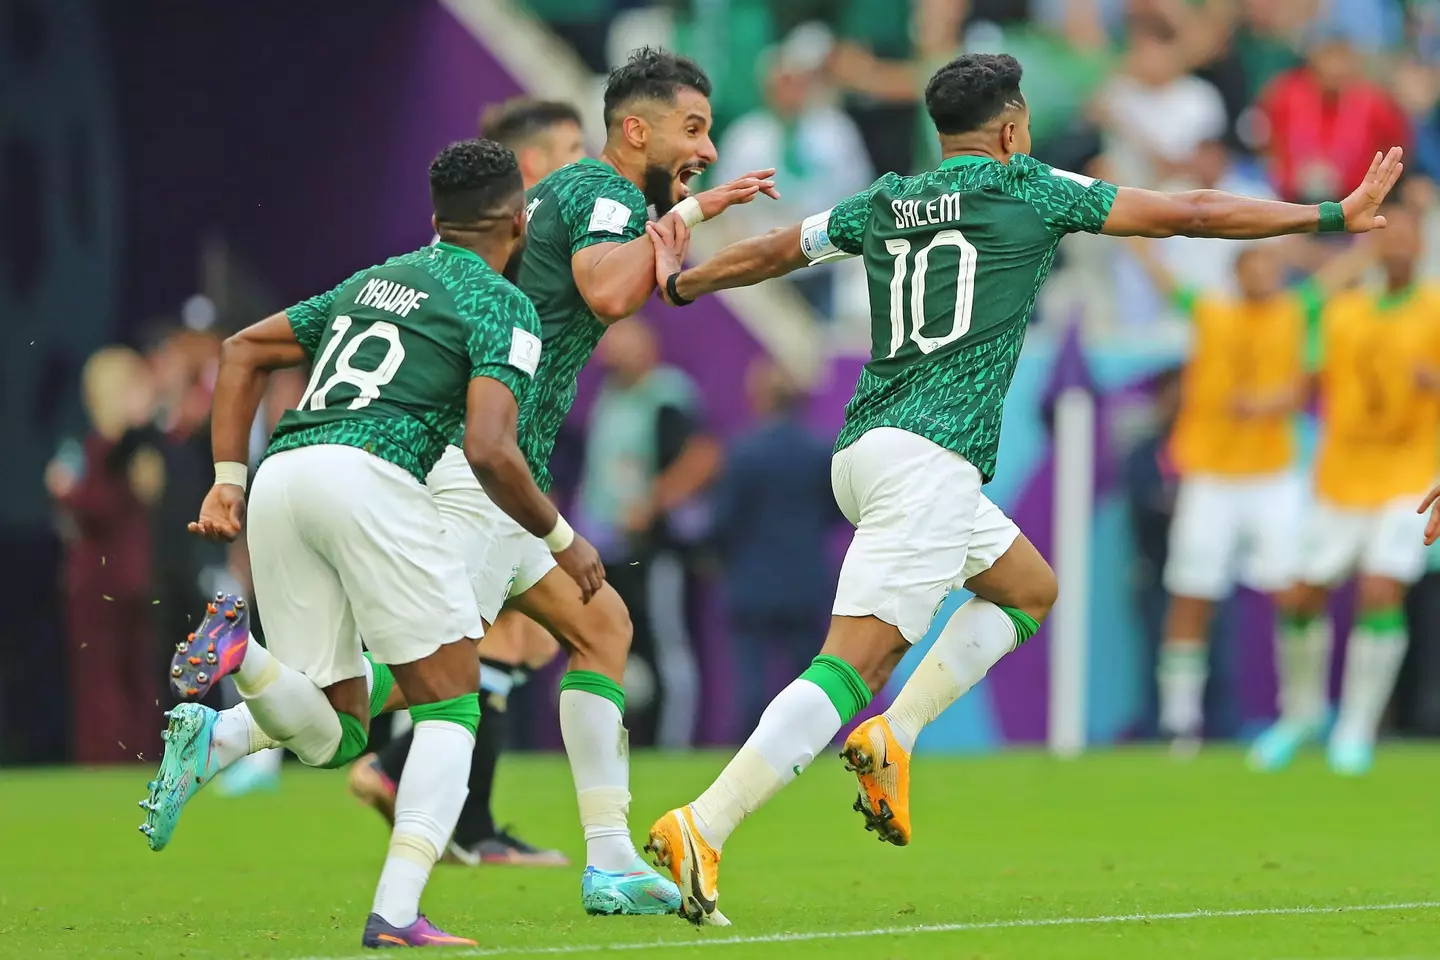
x=421, y=933
x=216, y=648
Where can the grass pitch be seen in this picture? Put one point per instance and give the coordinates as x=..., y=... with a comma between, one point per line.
x=1116, y=856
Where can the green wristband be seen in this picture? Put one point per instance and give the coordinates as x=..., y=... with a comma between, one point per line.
x=1332, y=217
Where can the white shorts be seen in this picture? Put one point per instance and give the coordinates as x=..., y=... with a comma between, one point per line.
x=501, y=557
x=1229, y=529
x=344, y=545
x=922, y=528
x=1385, y=542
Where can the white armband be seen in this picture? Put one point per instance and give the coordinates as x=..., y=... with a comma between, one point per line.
x=815, y=239
x=228, y=471
x=560, y=538
x=689, y=211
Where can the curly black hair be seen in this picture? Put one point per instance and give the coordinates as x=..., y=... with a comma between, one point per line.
x=651, y=74
x=515, y=121
x=970, y=91
x=474, y=180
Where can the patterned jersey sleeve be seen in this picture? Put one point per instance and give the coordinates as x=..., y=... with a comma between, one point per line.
x=1068, y=202
x=309, y=318
x=604, y=210
x=841, y=229
x=503, y=337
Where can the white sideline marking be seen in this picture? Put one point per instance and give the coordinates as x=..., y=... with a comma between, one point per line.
x=921, y=928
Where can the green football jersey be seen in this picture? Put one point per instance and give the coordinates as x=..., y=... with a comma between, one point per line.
x=953, y=259
x=394, y=349
x=572, y=208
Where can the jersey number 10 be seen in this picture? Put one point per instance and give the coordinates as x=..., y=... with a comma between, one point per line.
x=964, y=291
x=368, y=382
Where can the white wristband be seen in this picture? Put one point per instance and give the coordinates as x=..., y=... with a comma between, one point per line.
x=689, y=211
x=560, y=538
x=228, y=471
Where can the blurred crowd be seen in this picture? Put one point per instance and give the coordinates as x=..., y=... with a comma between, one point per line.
x=1269, y=97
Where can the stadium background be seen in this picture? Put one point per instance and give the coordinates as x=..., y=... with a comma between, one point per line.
x=169, y=166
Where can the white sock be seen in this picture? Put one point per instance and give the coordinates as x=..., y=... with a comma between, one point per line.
x=799, y=723
x=598, y=746
x=974, y=640
x=427, y=805
x=237, y=735
x=1372, y=664
x=288, y=706
x=1181, y=675
x=1302, y=669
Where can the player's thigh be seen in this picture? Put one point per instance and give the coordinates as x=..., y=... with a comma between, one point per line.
x=1020, y=577
x=915, y=506
x=407, y=584
x=1395, y=547
x=1271, y=524
x=1331, y=544
x=1204, y=535
x=597, y=633
x=515, y=638
x=479, y=531
x=309, y=624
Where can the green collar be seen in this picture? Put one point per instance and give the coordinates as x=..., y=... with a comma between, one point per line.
x=965, y=159
x=460, y=251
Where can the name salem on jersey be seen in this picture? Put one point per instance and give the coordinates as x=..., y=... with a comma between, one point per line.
x=390, y=296
x=924, y=213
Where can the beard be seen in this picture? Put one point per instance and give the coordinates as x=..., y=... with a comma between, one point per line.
x=512, y=265
x=659, y=188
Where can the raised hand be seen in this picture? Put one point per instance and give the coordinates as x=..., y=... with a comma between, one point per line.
x=1363, y=205
x=671, y=240
x=717, y=200
x=222, y=515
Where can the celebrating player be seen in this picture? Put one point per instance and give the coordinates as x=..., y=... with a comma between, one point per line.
x=955, y=257
x=1238, y=509
x=545, y=136
x=1380, y=413
x=344, y=536
x=589, y=263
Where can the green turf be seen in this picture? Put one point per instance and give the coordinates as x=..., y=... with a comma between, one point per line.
x=998, y=840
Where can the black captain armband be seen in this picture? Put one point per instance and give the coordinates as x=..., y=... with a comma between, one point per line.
x=673, y=292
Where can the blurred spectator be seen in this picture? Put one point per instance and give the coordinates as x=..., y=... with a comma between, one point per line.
x=1325, y=121
x=773, y=513
x=105, y=488
x=581, y=23
x=647, y=458
x=1154, y=114
x=814, y=146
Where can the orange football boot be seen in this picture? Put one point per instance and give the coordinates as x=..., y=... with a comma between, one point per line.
x=694, y=865
x=883, y=768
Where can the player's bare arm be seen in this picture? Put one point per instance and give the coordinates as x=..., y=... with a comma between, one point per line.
x=1214, y=213
x=617, y=278
x=494, y=454
x=741, y=264
x=246, y=360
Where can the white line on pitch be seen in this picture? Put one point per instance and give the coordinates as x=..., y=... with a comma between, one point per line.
x=920, y=928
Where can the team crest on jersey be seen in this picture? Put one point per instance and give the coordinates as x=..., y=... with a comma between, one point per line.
x=510, y=583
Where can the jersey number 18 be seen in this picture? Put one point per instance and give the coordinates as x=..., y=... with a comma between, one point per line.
x=964, y=292
x=368, y=382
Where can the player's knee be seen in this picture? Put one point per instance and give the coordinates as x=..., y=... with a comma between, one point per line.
x=1039, y=595
x=1305, y=601
x=1379, y=593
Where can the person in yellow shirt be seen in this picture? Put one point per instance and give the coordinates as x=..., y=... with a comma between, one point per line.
x=1238, y=508
x=1379, y=442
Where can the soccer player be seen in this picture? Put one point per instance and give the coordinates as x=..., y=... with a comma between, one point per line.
x=1240, y=498
x=545, y=135
x=1379, y=427
x=345, y=538
x=955, y=257
x=589, y=263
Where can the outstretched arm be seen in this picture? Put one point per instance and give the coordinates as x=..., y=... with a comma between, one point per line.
x=741, y=264
x=1214, y=213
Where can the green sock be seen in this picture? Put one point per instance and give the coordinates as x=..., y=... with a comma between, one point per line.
x=463, y=710
x=1025, y=625
x=382, y=681
x=841, y=683
x=588, y=681
x=353, y=738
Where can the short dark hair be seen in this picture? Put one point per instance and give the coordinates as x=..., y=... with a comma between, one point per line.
x=651, y=74
x=515, y=122
x=970, y=91
x=472, y=180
